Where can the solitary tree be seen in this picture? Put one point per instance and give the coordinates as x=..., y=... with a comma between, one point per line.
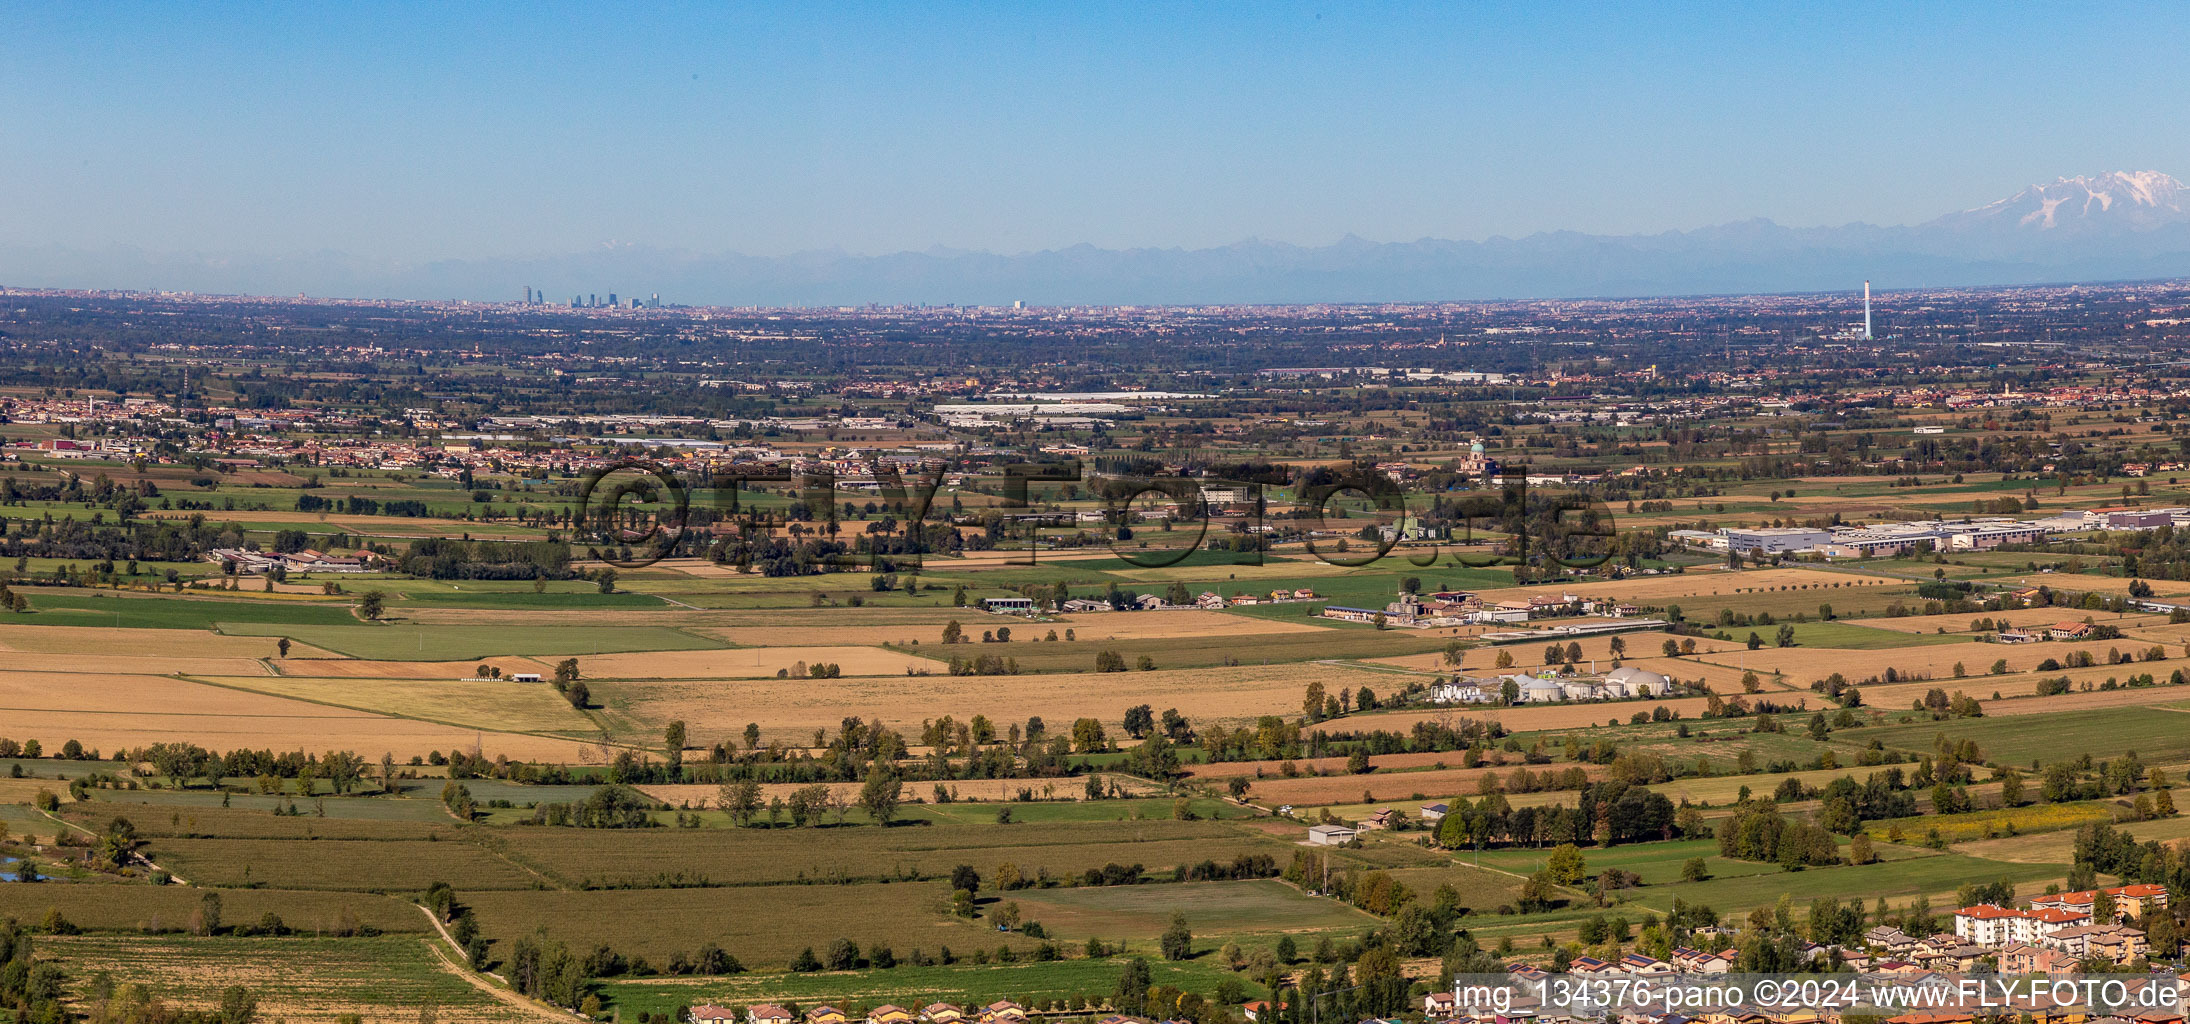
x=880, y=796
x=371, y=604
x=1178, y=940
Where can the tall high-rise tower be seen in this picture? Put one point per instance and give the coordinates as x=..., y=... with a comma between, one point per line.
x=1866, y=311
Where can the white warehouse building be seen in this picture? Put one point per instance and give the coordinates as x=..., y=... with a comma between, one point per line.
x=1774, y=540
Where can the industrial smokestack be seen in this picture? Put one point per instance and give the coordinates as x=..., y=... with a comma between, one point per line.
x=1866, y=311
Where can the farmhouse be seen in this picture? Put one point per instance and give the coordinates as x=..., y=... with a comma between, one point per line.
x=2069, y=630
x=768, y=1013
x=1331, y=835
x=1008, y=605
x=708, y=1013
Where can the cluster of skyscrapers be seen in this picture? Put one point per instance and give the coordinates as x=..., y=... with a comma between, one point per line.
x=535, y=297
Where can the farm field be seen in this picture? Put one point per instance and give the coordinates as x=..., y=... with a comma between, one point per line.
x=446, y=642
x=138, y=643
x=1985, y=824
x=140, y=908
x=1660, y=863
x=1432, y=784
x=796, y=707
x=972, y=801
x=2157, y=736
x=493, y=705
x=2058, y=847
x=763, y=662
x=964, y=983
x=384, y=978
x=1244, y=648
x=578, y=857
x=109, y=712
x=177, y=611
x=766, y=925
x=1260, y=908
x=391, y=866
x=1897, y=879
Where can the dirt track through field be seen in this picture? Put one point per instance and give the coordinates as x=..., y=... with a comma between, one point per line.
x=450, y=964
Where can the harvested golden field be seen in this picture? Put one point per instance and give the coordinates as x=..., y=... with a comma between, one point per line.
x=2059, y=847
x=2172, y=633
x=119, y=711
x=2155, y=696
x=754, y=662
x=495, y=705
x=696, y=567
x=1803, y=664
x=169, y=643
x=1660, y=590
x=358, y=668
x=790, y=709
x=126, y=664
x=23, y=791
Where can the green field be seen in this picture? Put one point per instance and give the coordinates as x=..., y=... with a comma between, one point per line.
x=405, y=642
x=357, y=865
x=965, y=984
x=755, y=856
x=2157, y=736
x=145, y=907
x=520, y=600
x=175, y=611
x=1661, y=863
x=1261, y=907
x=763, y=926
x=1844, y=636
x=1898, y=879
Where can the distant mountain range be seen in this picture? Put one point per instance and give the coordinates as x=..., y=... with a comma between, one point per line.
x=2114, y=226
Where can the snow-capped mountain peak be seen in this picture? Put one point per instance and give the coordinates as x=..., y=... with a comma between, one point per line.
x=2135, y=200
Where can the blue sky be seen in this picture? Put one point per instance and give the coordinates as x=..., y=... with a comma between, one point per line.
x=467, y=130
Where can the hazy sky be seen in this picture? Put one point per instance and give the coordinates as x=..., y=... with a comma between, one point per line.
x=472, y=129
